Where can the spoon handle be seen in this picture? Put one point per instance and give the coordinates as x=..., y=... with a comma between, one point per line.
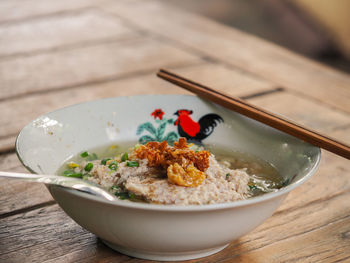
x=68, y=182
x=46, y=179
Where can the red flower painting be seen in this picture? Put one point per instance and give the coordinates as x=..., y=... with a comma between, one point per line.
x=157, y=113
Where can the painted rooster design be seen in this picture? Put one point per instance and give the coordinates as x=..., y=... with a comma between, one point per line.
x=196, y=131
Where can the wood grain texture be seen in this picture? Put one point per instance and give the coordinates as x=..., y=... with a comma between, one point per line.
x=71, y=28
x=18, y=10
x=78, y=66
x=341, y=133
x=316, y=246
x=17, y=195
x=236, y=48
x=227, y=79
x=40, y=235
x=7, y=142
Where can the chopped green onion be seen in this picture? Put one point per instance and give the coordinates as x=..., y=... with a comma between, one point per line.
x=88, y=167
x=72, y=174
x=125, y=157
x=113, y=165
x=84, y=154
x=122, y=195
x=125, y=195
x=104, y=161
x=227, y=176
x=132, y=164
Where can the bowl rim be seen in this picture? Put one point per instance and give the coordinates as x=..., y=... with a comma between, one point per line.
x=173, y=208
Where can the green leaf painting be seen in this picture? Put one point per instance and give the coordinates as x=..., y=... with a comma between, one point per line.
x=157, y=133
x=146, y=126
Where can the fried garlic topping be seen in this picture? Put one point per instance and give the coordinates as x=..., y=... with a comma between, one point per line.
x=193, y=163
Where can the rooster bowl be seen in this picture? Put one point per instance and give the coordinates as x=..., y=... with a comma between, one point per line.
x=154, y=231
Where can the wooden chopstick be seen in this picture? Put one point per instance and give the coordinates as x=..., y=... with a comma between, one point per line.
x=258, y=114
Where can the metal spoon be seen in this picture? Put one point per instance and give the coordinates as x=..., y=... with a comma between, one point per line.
x=68, y=182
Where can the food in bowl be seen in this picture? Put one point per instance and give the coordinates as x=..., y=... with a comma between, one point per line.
x=182, y=174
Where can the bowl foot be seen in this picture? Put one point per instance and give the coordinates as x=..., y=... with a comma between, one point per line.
x=165, y=256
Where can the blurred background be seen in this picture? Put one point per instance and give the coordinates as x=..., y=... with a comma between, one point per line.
x=318, y=29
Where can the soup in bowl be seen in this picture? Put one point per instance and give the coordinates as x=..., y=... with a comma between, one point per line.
x=189, y=175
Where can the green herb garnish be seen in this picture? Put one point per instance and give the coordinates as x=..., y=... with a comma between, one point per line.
x=104, y=161
x=122, y=195
x=132, y=164
x=227, y=176
x=113, y=166
x=69, y=173
x=84, y=154
x=88, y=167
x=125, y=195
x=125, y=157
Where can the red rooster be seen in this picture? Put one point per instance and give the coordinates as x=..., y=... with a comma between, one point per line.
x=196, y=131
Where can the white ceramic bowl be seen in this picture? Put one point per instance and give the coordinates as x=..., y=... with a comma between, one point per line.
x=156, y=231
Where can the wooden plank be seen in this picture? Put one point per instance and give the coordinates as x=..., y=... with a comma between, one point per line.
x=16, y=10
x=9, y=162
x=7, y=142
x=342, y=133
x=41, y=235
x=304, y=224
x=18, y=195
x=329, y=243
x=71, y=28
x=307, y=112
x=78, y=66
x=226, y=79
x=239, y=49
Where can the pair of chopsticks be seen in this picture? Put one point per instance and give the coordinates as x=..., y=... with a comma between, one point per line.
x=258, y=114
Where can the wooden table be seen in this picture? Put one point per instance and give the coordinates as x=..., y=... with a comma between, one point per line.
x=58, y=53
